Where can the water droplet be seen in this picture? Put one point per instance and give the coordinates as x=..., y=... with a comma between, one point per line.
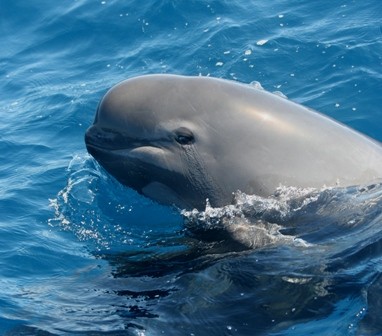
x=261, y=42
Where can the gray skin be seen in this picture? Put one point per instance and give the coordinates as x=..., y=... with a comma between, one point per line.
x=181, y=140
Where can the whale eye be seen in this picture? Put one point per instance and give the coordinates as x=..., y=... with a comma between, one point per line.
x=184, y=136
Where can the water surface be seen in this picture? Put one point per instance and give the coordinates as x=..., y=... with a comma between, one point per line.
x=81, y=254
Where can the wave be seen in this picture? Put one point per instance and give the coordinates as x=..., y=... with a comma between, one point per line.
x=97, y=208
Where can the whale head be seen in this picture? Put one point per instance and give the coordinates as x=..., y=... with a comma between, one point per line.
x=145, y=134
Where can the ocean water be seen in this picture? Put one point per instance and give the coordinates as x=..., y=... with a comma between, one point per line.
x=82, y=255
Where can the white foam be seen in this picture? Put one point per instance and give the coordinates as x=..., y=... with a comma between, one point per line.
x=247, y=219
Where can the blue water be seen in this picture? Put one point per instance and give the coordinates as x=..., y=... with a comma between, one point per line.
x=82, y=255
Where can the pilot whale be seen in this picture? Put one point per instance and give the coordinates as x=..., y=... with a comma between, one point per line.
x=181, y=140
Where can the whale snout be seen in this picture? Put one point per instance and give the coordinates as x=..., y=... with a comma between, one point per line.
x=115, y=152
x=106, y=139
x=99, y=144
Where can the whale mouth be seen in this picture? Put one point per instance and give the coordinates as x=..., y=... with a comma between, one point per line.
x=104, y=139
x=107, y=142
x=113, y=155
x=131, y=161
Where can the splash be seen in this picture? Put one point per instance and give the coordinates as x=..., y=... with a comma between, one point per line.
x=252, y=220
x=293, y=216
x=106, y=215
x=80, y=207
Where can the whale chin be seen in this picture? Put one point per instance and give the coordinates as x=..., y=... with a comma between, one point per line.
x=164, y=194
